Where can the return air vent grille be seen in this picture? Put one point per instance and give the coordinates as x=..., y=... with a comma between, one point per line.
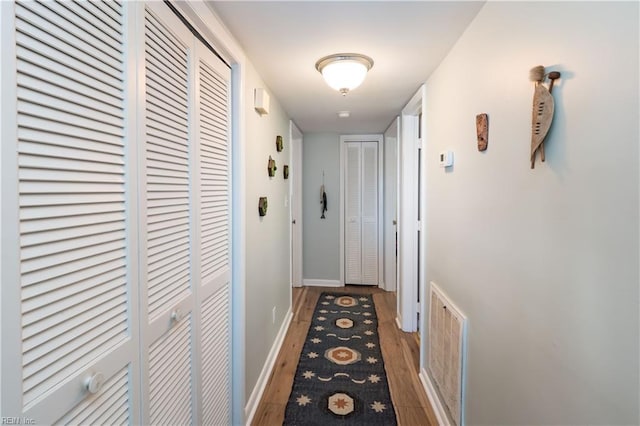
x=446, y=349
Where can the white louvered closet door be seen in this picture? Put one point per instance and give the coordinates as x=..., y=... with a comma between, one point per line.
x=353, y=209
x=213, y=236
x=369, y=213
x=361, y=213
x=75, y=284
x=167, y=228
x=186, y=235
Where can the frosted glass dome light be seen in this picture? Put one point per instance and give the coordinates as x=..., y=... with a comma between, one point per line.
x=344, y=71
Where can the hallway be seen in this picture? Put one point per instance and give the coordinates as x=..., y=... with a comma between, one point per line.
x=400, y=351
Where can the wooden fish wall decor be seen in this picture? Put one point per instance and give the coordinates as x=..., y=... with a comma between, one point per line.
x=543, y=108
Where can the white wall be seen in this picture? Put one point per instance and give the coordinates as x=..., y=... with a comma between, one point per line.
x=543, y=262
x=268, y=237
x=321, y=152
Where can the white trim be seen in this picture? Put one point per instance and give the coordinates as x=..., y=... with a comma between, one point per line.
x=398, y=323
x=322, y=283
x=378, y=138
x=434, y=399
x=263, y=379
x=10, y=290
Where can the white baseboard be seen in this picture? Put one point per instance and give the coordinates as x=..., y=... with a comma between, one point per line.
x=399, y=323
x=321, y=283
x=434, y=399
x=261, y=384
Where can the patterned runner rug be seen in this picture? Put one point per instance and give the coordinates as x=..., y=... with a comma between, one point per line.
x=340, y=377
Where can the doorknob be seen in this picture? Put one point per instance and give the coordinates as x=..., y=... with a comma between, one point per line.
x=293, y=221
x=395, y=222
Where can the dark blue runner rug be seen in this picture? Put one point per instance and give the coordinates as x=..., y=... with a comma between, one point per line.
x=340, y=377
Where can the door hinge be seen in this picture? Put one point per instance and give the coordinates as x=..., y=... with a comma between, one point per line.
x=419, y=226
x=419, y=143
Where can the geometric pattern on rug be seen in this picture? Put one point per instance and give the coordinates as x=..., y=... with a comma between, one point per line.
x=340, y=378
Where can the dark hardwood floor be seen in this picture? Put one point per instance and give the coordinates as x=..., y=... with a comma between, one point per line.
x=400, y=351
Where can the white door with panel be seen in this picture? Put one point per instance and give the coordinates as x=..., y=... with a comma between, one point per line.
x=361, y=213
x=115, y=307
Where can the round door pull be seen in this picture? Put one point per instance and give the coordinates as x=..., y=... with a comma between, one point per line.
x=94, y=383
x=176, y=315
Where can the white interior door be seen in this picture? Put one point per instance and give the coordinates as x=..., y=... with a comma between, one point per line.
x=69, y=290
x=116, y=192
x=295, y=176
x=167, y=230
x=186, y=319
x=361, y=213
x=353, y=214
x=213, y=234
x=391, y=138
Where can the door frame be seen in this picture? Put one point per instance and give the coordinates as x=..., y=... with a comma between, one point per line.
x=378, y=138
x=295, y=211
x=408, y=243
x=391, y=182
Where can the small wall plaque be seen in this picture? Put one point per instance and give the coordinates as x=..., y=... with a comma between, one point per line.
x=279, y=144
x=482, y=131
x=262, y=206
x=285, y=171
x=271, y=167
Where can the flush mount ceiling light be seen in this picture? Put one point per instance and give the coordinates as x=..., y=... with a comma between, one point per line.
x=344, y=71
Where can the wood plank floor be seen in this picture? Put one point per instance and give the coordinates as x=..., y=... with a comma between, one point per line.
x=400, y=351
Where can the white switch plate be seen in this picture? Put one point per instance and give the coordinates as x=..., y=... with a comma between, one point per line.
x=445, y=158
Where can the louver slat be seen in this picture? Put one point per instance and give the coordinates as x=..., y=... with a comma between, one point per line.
x=167, y=167
x=70, y=149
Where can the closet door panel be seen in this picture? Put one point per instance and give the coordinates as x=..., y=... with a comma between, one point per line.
x=369, y=212
x=353, y=207
x=168, y=263
x=167, y=228
x=76, y=283
x=213, y=225
x=214, y=220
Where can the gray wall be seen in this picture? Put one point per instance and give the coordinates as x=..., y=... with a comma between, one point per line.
x=268, y=237
x=543, y=262
x=321, y=152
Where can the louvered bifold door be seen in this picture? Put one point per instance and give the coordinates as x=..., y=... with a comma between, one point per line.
x=369, y=213
x=70, y=354
x=166, y=230
x=213, y=236
x=353, y=215
x=361, y=213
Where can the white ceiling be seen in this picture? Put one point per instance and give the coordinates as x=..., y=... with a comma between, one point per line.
x=407, y=40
